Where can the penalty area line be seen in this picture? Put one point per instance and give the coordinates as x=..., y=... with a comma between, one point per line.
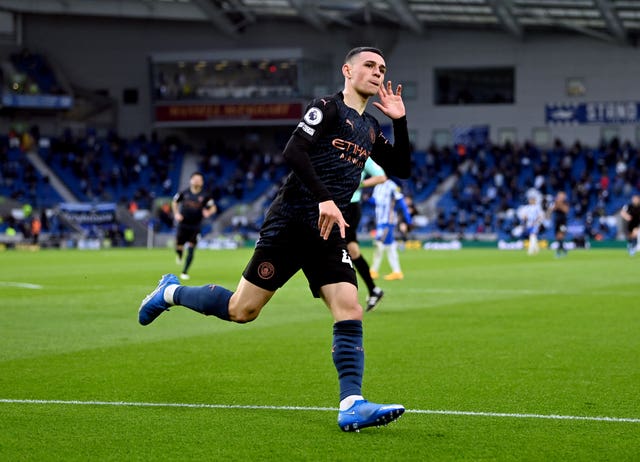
x=311, y=408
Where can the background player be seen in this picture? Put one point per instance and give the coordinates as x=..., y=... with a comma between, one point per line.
x=560, y=212
x=532, y=217
x=387, y=196
x=631, y=214
x=304, y=227
x=190, y=207
x=352, y=216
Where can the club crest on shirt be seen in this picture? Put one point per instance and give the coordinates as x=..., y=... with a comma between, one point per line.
x=313, y=116
x=372, y=134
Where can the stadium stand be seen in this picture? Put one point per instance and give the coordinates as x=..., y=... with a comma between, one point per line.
x=486, y=185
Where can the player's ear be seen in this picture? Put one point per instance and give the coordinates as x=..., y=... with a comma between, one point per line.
x=346, y=70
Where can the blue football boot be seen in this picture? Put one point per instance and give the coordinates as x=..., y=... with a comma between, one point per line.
x=153, y=304
x=364, y=414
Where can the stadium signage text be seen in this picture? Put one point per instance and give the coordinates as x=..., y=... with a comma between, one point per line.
x=89, y=214
x=226, y=112
x=37, y=101
x=612, y=112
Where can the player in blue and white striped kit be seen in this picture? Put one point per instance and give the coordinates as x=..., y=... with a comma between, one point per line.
x=532, y=217
x=388, y=197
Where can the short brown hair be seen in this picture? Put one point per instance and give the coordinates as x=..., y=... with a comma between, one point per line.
x=358, y=50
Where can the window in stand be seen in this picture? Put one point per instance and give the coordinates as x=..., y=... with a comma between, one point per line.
x=465, y=86
x=507, y=134
x=608, y=133
x=541, y=136
x=441, y=138
x=196, y=77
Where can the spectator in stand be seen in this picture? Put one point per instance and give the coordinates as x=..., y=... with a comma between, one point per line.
x=36, y=228
x=165, y=215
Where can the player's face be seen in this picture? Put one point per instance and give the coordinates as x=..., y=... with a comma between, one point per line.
x=196, y=183
x=365, y=72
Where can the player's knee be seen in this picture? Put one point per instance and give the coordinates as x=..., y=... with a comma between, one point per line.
x=349, y=310
x=354, y=250
x=243, y=314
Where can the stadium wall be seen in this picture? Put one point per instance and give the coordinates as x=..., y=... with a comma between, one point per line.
x=111, y=54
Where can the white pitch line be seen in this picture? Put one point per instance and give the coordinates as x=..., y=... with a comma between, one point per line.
x=528, y=416
x=23, y=285
x=465, y=291
x=310, y=408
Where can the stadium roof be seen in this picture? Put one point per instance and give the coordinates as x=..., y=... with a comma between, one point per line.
x=611, y=20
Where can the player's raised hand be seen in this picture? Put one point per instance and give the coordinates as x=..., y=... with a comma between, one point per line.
x=390, y=103
x=329, y=215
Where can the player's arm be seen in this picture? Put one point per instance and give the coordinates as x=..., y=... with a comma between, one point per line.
x=394, y=159
x=210, y=208
x=563, y=206
x=296, y=153
x=549, y=211
x=373, y=180
x=625, y=214
x=405, y=210
x=319, y=115
x=375, y=172
x=175, y=207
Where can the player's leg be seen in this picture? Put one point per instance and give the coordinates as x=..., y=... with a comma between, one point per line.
x=533, y=243
x=191, y=248
x=560, y=241
x=241, y=306
x=353, y=216
x=181, y=238
x=348, y=357
x=394, y=262
x=362, y=266
x=631, y=239
x=332, y=277
x=378, y=250
x=634, y=239
x=259, y=282
x=392, y=255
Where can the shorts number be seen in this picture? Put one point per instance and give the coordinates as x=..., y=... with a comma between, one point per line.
x=346, y=258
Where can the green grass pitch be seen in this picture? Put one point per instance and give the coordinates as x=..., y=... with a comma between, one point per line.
x=496, y=355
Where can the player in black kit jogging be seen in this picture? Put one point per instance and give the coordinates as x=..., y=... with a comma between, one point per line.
x=630, y=213
x=304, y=228
x=190, y=207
